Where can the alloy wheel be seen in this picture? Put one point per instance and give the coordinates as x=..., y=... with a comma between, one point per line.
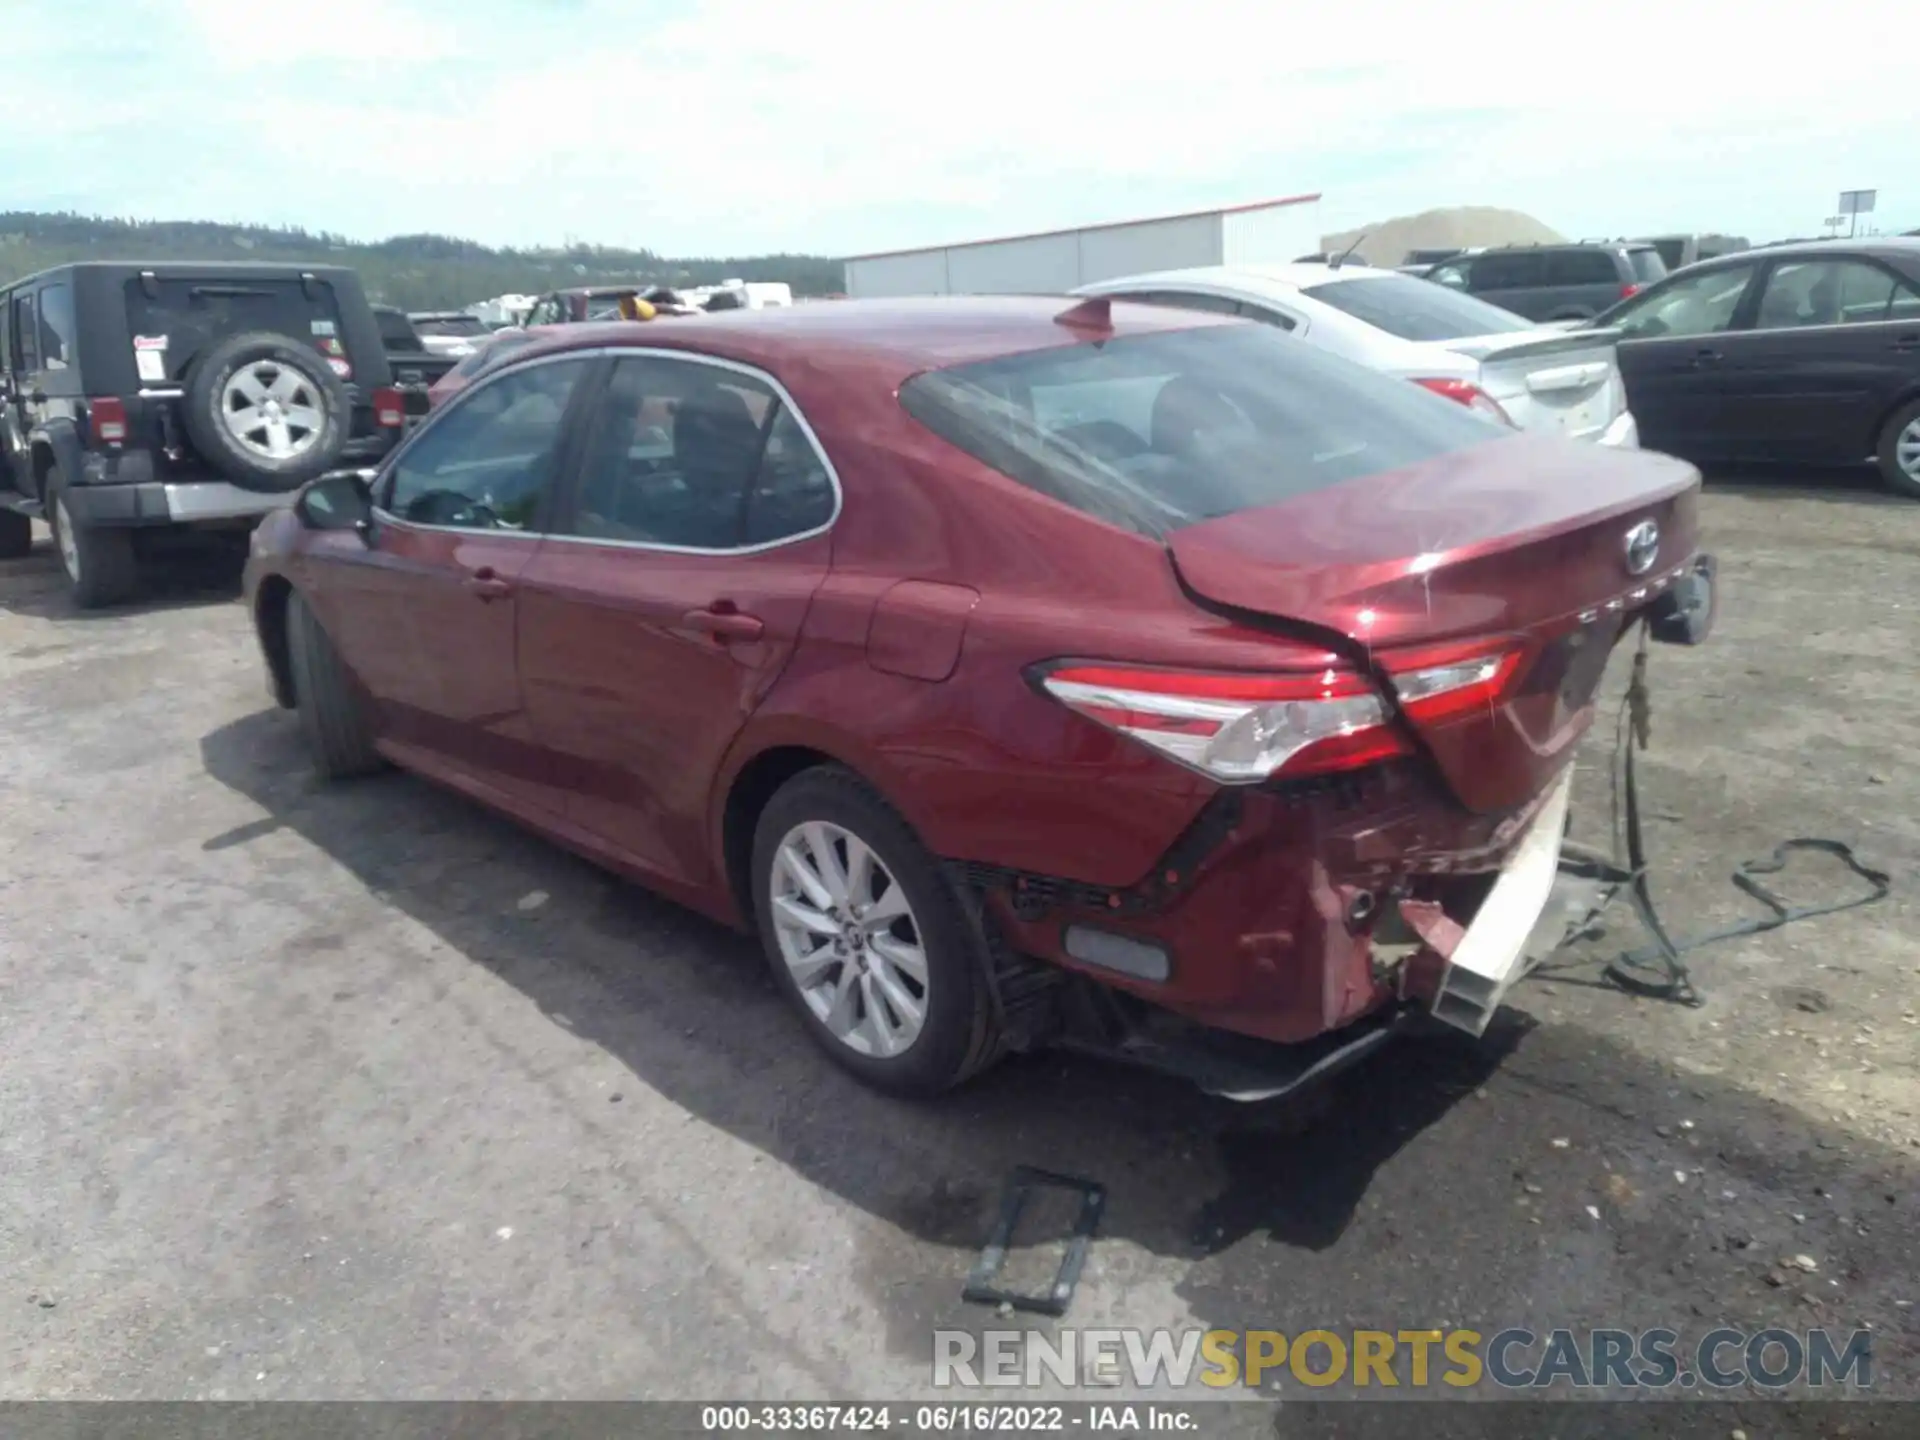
x=1906, y=451
x=848, y=935
x=272, y=411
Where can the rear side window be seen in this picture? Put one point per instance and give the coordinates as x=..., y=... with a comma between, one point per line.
x=1508, y=270
x=182, y=318
x=26, y=338
x=1649, y=265
x=1153, y=432
x=56, y=326
x=1581, y=267
x=1415, y=309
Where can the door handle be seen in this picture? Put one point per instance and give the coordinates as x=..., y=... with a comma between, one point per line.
x=724, y=624
x=1706, y=357
x=487, y=585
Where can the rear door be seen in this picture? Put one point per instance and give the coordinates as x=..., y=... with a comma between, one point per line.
x=1834, y=343
x=426, y=614
x=689, y=549
x=1674, y=342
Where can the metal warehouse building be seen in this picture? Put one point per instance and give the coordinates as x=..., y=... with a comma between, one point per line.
x=1052, y=263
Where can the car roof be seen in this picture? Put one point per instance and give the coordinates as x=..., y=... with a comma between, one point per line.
x=901, y=337
x=189, y=269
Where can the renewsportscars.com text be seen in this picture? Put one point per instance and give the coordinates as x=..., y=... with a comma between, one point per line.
x=1512, y=1359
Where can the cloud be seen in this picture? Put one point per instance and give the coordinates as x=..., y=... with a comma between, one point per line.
x=717, y=126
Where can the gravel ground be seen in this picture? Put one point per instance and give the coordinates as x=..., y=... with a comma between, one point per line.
x=360, y=1092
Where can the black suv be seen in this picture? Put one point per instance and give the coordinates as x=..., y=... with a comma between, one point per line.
x=1554, y=282
x=166, y=395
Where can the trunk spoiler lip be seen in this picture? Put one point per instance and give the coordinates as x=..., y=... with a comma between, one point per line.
x=1532, y=345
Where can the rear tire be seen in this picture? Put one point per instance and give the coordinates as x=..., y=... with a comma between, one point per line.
x=333, y=711
x=1899, y=451
x=16, y=535
x=99, y=561
x=959, y=1032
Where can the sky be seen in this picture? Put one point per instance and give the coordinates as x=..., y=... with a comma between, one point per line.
x=732, y=127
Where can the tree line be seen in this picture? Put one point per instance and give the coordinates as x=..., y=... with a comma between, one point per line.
x=415, y=272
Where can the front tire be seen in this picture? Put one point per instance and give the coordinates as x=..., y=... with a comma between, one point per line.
x=1899, y=451
x=332, y=709
x=100, y=565
x=869, y=939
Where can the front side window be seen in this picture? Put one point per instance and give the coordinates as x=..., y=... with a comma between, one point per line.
x=1825, y=292
x=488, y=463
x=1152, y=432
x=1415, y=309
x=673, y=448
x=1695, y=304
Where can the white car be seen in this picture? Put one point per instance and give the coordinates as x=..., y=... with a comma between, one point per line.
x=1533, y=377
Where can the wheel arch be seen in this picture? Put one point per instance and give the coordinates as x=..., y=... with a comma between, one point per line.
x=759, y=764
x=270, y=624
x=1900, y=402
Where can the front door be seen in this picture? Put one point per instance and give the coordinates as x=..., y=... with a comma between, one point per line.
x=426, y=614
x=1674, y=345
x=672, y=598
x=1834, y=343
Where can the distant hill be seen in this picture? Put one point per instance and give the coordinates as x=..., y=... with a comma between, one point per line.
x=1461, y=226
x=416, y=272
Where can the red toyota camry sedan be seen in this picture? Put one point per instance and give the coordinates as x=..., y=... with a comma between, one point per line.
x=1018, y=669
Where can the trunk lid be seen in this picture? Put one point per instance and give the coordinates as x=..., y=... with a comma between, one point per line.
x=1560, y=382
x=1521, y=539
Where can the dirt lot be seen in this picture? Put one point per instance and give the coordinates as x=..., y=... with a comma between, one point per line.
x=360, y=1092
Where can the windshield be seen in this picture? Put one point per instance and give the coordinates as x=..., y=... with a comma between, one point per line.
x=1152, y=432
x=1415, y=309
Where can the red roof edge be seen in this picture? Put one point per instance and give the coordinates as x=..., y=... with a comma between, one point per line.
x=1103, y=225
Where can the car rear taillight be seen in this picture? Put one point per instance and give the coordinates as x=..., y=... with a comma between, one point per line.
x=389, y=408
x=1629, y=290
x=1466, y=393
x=1241, y=728
x=107, y=416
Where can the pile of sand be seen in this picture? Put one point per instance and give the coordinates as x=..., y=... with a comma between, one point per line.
x=1460, y=227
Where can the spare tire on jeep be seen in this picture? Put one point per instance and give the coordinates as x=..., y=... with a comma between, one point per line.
x=266, y=411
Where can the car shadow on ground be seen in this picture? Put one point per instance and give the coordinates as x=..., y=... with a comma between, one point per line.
x=1446, y=1181
x=176, y=578
x=1840, y=485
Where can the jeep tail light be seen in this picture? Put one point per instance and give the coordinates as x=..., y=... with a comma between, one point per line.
x=1244, y=728
x=108, y=417
x=389, y=408
x=1466, y=393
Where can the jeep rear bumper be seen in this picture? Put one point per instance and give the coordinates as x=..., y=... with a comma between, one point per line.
x=167, y=503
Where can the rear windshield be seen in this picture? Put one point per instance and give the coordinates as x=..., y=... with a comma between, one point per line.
x=1415, y=309
x=463, y=326
x=183, y=317
x=1152, y=432
x=1648, y=266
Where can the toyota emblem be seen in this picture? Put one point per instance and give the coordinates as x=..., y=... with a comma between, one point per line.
x=1643, y=547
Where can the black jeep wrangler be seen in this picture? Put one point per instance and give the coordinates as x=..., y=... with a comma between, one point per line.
x=134, y=397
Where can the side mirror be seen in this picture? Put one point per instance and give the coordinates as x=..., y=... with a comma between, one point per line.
x=338, y=500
